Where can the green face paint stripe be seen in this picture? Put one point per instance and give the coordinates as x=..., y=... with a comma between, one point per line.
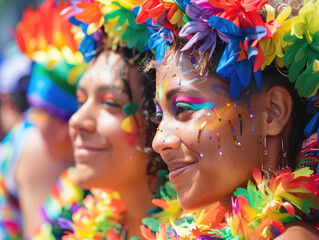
x=131, y=108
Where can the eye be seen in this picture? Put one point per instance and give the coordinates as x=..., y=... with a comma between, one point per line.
x=80, y=102
x=111, y=101
x=80, y=98
x=182, y=107
x=159, y=115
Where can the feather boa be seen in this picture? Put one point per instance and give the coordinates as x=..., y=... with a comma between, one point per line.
x=258, y=212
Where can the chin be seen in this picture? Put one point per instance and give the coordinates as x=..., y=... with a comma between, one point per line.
x=193, y=202
x=85, y=177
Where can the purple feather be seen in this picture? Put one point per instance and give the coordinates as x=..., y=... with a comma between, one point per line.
x=65, y=224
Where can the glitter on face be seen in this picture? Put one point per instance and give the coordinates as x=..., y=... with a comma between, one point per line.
x=218, y=142
x=251, y=117
x=237, y=143
x=187, y=72
x=180, y=61
x=200, y=130
x=201, y=155
x=193, y=80
x=216, y=112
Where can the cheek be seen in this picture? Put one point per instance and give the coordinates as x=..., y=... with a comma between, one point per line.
x=119, y=130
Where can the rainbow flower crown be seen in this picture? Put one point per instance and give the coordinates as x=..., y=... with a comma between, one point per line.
x=46, y=38
x=116, y=20
x=254, y=34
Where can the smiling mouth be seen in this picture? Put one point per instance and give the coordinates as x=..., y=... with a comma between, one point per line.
x=178, y=168
x=84, y=152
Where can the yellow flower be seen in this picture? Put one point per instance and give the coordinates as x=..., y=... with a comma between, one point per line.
x=274, y=46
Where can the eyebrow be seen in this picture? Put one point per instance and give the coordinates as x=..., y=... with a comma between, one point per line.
x=181, y=89
x=108, y=87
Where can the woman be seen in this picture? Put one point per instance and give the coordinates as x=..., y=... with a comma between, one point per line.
x=221, y=117
x=45, y=149
x=112, y=129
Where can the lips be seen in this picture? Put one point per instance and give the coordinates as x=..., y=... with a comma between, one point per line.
x=178, y=168
x=85, y=151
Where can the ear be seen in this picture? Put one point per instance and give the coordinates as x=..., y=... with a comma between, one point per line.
x=279, y=105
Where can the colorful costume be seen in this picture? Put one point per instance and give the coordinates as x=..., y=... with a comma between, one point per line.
x=258, y=212
x=12, y=71
x=10, y=150
x=106, y=25
x=44, y=37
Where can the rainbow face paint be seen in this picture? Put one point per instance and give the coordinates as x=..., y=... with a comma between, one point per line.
x=237, y=143
x=218, y=142
x=111, y=100
x=159, y=114
x=200, y=130
x=180, y=61
x=239, y=118
x=130, y=123
x=251, y=117
x=194, y=104
x=162, y=90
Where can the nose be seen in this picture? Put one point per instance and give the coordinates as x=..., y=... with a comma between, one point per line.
x=83, y=119
x=166, y=139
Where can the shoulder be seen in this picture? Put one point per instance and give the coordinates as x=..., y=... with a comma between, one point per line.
x=299, y=231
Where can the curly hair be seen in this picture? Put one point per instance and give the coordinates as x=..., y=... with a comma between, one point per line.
x=148, y=87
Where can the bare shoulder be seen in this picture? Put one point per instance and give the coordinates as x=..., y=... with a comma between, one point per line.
x=299, y=231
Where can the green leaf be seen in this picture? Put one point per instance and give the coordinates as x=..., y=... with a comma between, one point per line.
x=296, y=68
x=153, y=223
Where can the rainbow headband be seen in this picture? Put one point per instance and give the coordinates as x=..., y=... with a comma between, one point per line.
x=111, y=24
x=46, y=38
x=251, y=43
x=254, y=36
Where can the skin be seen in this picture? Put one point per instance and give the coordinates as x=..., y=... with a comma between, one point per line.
x=9, y=114
x=104, y=156
x=50, y=161
x=201, y=175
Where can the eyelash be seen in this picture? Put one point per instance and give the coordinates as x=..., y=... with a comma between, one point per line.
x=105, y=100
x=182, y=107
x=158, y=115
x=80, y=99
x=178, y=108
x=112, y=102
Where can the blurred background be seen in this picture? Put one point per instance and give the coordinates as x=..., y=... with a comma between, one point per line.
x=10, y=13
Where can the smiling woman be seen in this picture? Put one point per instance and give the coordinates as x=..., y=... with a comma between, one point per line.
x=112, y=129
x=105, y=151
x=232, y=93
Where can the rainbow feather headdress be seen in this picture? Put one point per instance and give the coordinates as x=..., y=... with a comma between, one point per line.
x=258, y=211
x=111, y=24
x=254, y=34
x=46, y=38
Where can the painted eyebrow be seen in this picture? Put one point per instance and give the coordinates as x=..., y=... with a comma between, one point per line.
x=102, y=88
x=183, y=90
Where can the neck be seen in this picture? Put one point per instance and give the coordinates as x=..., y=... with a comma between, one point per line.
x=137, y=199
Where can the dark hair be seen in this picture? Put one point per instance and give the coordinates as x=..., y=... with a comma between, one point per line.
x=148, y=88
x=18, y=97
x=299, y=116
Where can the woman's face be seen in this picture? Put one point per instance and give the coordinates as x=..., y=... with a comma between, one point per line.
x=102, y=133
x=209, y=141
x=54, y=131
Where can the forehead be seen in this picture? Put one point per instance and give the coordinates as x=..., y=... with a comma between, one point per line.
x=181, y=73
x=106, y=69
